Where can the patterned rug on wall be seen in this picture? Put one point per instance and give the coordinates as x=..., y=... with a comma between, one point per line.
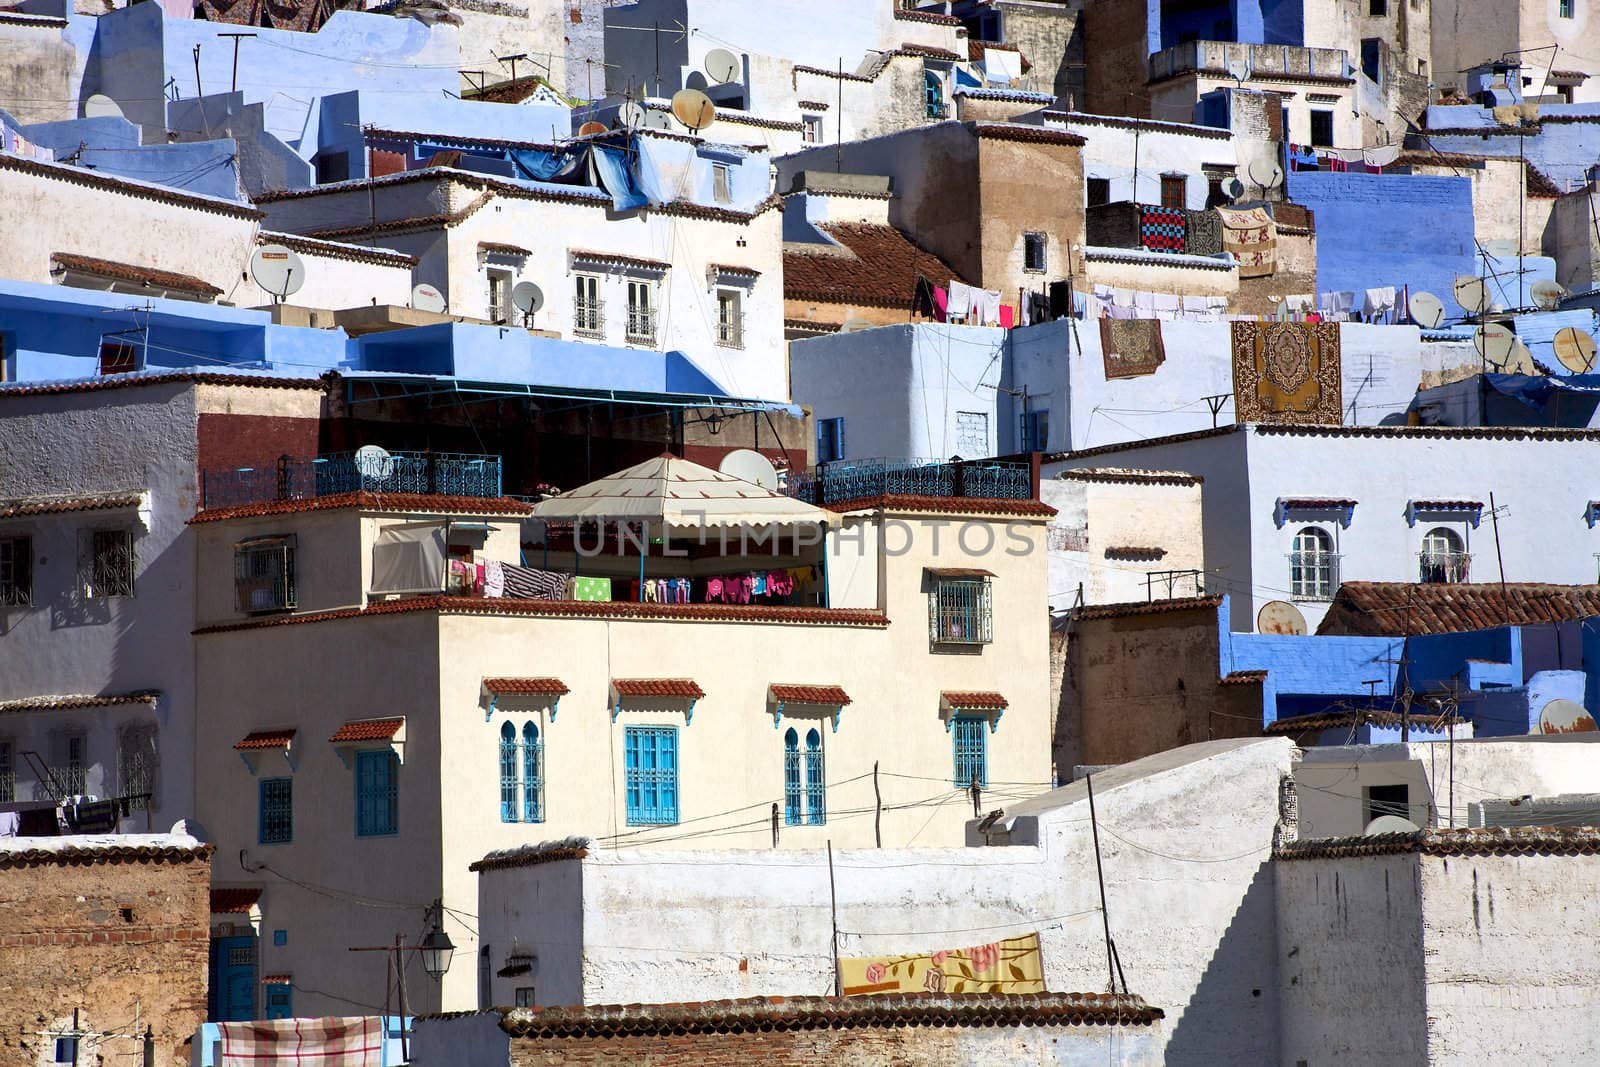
x=1252, y=237
x=1161, y=229
x=1205, y=233
x=1287, y=372
x=1131, y=348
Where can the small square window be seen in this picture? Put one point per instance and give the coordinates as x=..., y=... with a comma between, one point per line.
x=16, y=572
x=118, y=357
x=1098, y=191
x=722, y=183
x=730, y=318
x=1174, y=190
x=1564, y=9
x=1377, y=8
x=1034, y=252
x=1035, y=431
x=280, y=938
x=811, y=129
x=830, y=440
x=277, y=811
x=66, y=1050
x=524, y=996
x=263, y=574
x=1378, y=800
x=1322, y=129
x=959, y=612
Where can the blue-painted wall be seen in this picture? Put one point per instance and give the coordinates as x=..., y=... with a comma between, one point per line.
x=342, y=116
x=111, y=145
x=1561, y=150
x=1388, y=229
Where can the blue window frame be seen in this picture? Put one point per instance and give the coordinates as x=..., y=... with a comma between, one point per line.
x=1035, y=431
x=280, y=1001
x=960, y=612
x=651, y=757
x=791, y=778
x=933, y=93
x=972, y=756
x=508, y=773
x=377, y=794
x=816, y=788
x=532, y=774
x=276, y=825
x=830, y=440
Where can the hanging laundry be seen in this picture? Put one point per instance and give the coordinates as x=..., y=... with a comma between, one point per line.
x=1251, y=237
x=1204, y=233
x=529, y=583
x=960, y=301
x=1008, y=316
x=591, y=589
x=494, y=578
x=986, y=308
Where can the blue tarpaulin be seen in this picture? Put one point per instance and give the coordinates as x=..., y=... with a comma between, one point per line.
x=1536, y=390
x=610, y=168
x=616, y=177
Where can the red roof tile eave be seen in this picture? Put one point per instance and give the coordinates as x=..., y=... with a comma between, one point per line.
x=1452, y=841
x=68, y=504
x=98, y=180
x=975, y=701
x=126, y=381
x=367, y=730
x=668, y=688
x=263, y=739
x=416, y=503
x=949, y=505
x=149, y=277
x=830, y=695
x=77, y=856
x=526, y=686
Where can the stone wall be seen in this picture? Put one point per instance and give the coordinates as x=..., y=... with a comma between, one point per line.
x=114, y=932
x=1050, y=36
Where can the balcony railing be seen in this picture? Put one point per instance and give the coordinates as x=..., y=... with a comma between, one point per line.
x=1443, y=566
x=448, y=473
x=1264, y=60
x=730, y=332
x=641, y=325
x=589, y=318
x=1313, y=575
x=833, y=483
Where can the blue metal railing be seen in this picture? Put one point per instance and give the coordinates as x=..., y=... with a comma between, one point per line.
x=834, y=483
x=447, y=473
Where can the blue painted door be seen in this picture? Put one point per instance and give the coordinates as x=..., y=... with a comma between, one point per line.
x=233, y=979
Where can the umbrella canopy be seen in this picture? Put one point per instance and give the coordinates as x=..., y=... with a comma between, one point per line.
x=670, y=492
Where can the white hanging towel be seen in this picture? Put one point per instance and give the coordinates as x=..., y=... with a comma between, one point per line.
x=986, y=304
x=1378, y=300
x=960, y=303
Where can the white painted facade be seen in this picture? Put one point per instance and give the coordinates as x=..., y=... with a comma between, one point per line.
x=622, y=926
x=1134, y=155
x=1537, y=475
x=430, y=665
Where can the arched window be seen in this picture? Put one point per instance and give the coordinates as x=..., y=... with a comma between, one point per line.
x=1313, y=567
x=1444, y=556
x=532, y=774
x=508, y=773
x=816, y=788
x=791, y=778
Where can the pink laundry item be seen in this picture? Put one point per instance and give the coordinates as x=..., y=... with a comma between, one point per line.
x=1008, y=316
x=714, y=590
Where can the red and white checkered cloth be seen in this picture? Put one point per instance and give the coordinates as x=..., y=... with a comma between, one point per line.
x=355, y=1041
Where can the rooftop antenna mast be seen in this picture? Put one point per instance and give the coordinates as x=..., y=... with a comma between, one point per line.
x=236, y=39
x=513, y=61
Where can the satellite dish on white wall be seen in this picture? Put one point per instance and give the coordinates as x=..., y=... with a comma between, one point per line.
x=527, y=297
x=1469, y=293
x=425, y=297
x=1390, y=824
x=1562, y=716
x=1547, y=294
x=1426, y=309
x=101, y=106
x=1575, y=349
x=750, y=466
x=1233, y=188
x=277, y=270
x=631, y=115
x=1281, y=617
x=374, y=462
x=1239, y=69
x=722, y=66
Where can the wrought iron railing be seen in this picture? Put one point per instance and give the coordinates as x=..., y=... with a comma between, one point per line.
x=1313, y=575
x=641, y=324
x=833, y=483
x=730, y=332
x=1443, y=566
x=448, y=473
x=588, y=318
x=959, y=613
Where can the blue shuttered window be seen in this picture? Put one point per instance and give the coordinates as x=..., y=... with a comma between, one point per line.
x=972, y=760
x=791, y=778
x=377, y=794
x=532, y=774
x=280, y=1001
x=830, y=440
x=651, y=756
x=277, y=811
x=816, y=788
x=508, y=773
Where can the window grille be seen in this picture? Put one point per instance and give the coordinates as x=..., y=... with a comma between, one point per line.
x=377, y=794
x=263, y=574
x=499, y=295
x=277, y=811
x=791, y=778
x=508, y=773
x=588, y=312
x=730, y=319
x=959, y=612
x=641, y=313
x=107, y=563
x=971, y=753
x=16, y=572
x=71, y=774
x=651, y=757
x=1313, y=565
x=532, y=774
x=816, y=787
x=933, y=94
x=1443, y=557
x=136, y=765
x=8, y=774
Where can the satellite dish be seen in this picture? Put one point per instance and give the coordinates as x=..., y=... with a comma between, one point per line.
x=657, y=120
x=1469, y=292
x=1233, y=188
x=1520, y=361
x=1565, y=717
x=696, y=80
x=1239, y=69
x=278, y=271
x=631, y=115
x=722, y=66
x=1273, y=179
x=693, y=108
x=1390, y=824
x=589, y=129
x=1494, y=343
x=1500, y=247
x=1575, y=349
x=101, y=106
x=374, y=462
x=855, y=324
x=1427, y=310
x=1547, y=294
x=750, y=466
x=527, y=297
x=1280, y=617
x=425, y=297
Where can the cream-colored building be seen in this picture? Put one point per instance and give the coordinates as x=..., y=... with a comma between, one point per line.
x=514, y=721
x=1467, y=33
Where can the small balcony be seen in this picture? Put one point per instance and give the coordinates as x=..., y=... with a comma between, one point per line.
x=1443, y=566
x=834, y=483
x=1313, y=575
x=730, y=332
x=1266, y=61
x=446, y=473
x=641, y=325
x=589, y=318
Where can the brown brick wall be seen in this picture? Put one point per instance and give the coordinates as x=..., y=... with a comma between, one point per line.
x=110, y=939
x=228, y=441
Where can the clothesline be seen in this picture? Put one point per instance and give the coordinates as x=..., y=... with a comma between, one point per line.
x=497, y=579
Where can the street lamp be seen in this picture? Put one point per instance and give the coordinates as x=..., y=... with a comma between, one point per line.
x=436, y=950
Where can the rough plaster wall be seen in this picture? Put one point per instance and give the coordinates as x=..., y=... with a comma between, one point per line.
x=1051, y=37
x=65, y=943
x=1572, y=240
x=535, y=28
x=1509, y=956
x=1159, y=278
x=1296, y=275
x=1111, y=150
x=1350, y=953
x=1114, y=34
x=38, y=79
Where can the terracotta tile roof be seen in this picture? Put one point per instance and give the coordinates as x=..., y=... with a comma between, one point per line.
x=576, y=609
x=123, y=381
x=960, y=572
x=430, y=503
x=974, y=700
x=678, y=688
x=949, y=505
x=728, y=268
x=619, y=260
x=810, y=326
x=435, y=138
x=998, y=131
x=813, y=105
x=1135, y=552
x=526, y=686
x=892, y=1011
x=809, y=694
x=1447, y=505
x=1316, y=503
x=142, y=190
x=570, y=848
x=1187, y=129
x=1396, y=609
x=1540, y=184
x=1343, y=720
x=366, y=730
x=74, y=701
x=739, y=118
x=1153, y=607
x=931, y=51
x=1578, y=74
x=383, y=257
x=234, y=900
x=882, y=269
x=265, y=739
x=1131, y=475
x=938, y=18
x=21, y=507
x=81, y=855
x=149, y=277
x=1418, y=157
x=1242, y=678
x=512, y=91
x=1453, y=841
x=277, y=979
x=503, y=248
